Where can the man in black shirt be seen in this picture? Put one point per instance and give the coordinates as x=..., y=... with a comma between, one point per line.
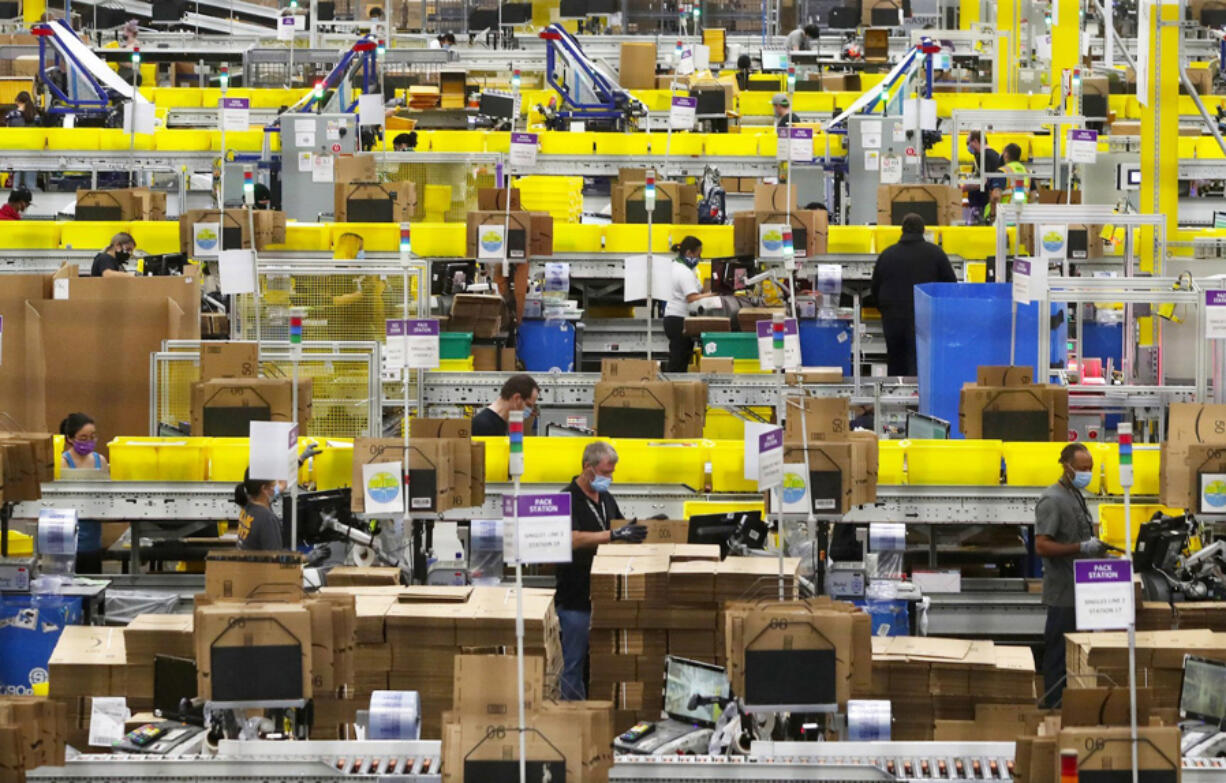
x=592, y=513
x=899, y=269
x=519, y=393
x=980, y=197
x=110, y=262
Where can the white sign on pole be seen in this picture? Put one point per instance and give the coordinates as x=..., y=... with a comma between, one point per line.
x=1082, y=146
x=770, y=240
x=794, y=144
x=273, y=450
x=523, y=149
x=1021, y=279
x=146, y=117
x=1053, y=241
x=1102, y=592
x=235, y=114
x=421, y=343
x=791, y=345
x=1215, y=315
x=236, y=268
x=683, y=112
x=383, y=488
x=491, y=241
x=770, y=458
x=635, y=287
x=542, y=534
x=286, y=28
x=370, y=109
x=685, y=61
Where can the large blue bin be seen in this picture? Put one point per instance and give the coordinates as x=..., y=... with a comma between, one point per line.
x=545, y=346
x=1102, y=341
x=888, y=616
x=960, y=326
x=826, y=343
x=30, y=626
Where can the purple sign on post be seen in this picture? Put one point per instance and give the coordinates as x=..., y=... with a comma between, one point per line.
x=1215, y=298
x=523, y=138
x=235, y=103
x=1101, y=571
x=421, y=327
x=395, y=328
x=689, y=103
x=764, y=327
x=770, y=440
x=1084, y=135
x=543, y=505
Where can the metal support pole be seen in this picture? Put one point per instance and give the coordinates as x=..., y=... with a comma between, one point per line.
x=1126, y=479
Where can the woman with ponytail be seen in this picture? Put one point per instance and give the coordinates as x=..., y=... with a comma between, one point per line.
x=258, y=527
x=684, y=291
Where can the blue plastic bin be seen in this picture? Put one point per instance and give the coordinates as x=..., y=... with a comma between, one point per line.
x=889, y=617
x=32, y=624
x=826, y=343
x=960, y=326
x=546, y=346
x=1102, y=341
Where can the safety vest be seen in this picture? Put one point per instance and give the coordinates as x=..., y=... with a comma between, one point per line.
x=1018, y=180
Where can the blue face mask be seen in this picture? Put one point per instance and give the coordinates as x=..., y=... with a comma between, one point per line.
x=602, y=483
x=690, y=262
x=527, y=411
x=361, y=254
x=276, y=495
x=1081, y=478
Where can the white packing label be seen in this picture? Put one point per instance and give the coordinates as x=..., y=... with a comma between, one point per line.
x=830, y=278
x=801, y=148
x=770, y=458
x=383, y=489
x=872, y=160
x=306, y=162
x=421, y=339
x=236, y=268
x=1215, y=315
x=685, y=62
x=146, y=117
x=540, y=532
x=766, y=349
x=1103, y=594
x=523, y=149
x=322, y=169
x=206, y=239
x=491, y=241
x=891, y=170
x=682, y=113
x=273, y=450
x=702, y=57
x=235, y=114
x=370, y=109
x=1082, y=146
x=107, y=715
x=1052, y=241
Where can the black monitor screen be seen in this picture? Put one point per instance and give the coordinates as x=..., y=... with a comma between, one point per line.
x=482, y=19
x=508, y=771
x=771, y=677
x=636, y=211
x=1032, y=426
x=92, y=212
x=1203, y=693
x=271, y=672
x=885, y=17
x=844, y=18
x=232, y=238
x=369, y=210
x=927, y=210
x=235, y=422
x=1078, y=242
x=1094, y=105
x=572, y=9
x=710, y=102
x=602, y=6
x=516, y=13
x=1213, y=17
x=313, y=507
x=174, y=679
x=497, y=105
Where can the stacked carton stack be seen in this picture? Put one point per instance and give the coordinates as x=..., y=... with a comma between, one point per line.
x=928, y=679
x=147, y=636
x=88, y=661
x=632, y=403
x=842, y=464
x=1095, y=659
x=32, y=734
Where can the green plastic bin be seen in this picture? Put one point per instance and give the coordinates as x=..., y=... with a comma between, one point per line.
x=455, y=345
x=730, y=345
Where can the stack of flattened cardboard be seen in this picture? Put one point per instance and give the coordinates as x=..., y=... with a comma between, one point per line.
x=27, y=459
x=1095, y=659
x=676, y=203
x=88, y=661
x=1195, y=446
x=842, y=464
x=929, y=679
x=527, y=234
x=1004, y=404
x=631, y=403
x=427, y=627
x=636, y=621
x=480, y=314
x=446, y=468
x=771, y=206
x=566, y=740
x=33, y=732
x=121, y=204
x=150, y=635
x=235, y=225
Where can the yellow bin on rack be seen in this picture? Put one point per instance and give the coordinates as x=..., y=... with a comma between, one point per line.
x=891, y=455
x=497, y=454
x=1037, y=464
x=728, y=467
x=554, y=460
x=954, y=462
x=158, y=459
x=649, y=461
x=1145, y=465
x=1111, y=521
x=332, y=468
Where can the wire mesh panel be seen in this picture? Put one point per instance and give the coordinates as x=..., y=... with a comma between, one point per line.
x=446, y=191
x=347, y=397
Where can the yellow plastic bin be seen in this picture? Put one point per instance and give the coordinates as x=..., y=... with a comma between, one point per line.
x=647, y=461
x=1037, y=464
x=1145, y=464
x=20, y=545
x=891, y=455
x=693, y=508
x=158, y=459
x=57, y=445
x=497, y=455
x=954, y=462
x=728, y=467
x=332, y=468
x=554, y=460
x=1111, y=521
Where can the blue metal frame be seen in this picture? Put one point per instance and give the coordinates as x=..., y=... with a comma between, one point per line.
x=608, y=93
x=337, y=76
x=103, y=100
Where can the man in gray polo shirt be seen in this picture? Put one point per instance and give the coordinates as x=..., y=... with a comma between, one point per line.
x=1064, y=532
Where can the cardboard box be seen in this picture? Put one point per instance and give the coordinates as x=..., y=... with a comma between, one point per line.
x=651, y=409
x=493, y=199
x=362, y=167
x=810, y=229
x=822, y=419
x=841, y=82
x=121, y=204
x=807, y=375
x=229, y=360
x=431, y=473
x=1109, y=750
x=774, y=198
x=716, y=364
x=978, y=402
x=760, y=637
x=989, y=375
x=485, y=687
x=149, y=635
x=489, y=358
x=1182, y=477
x=88, y=659
x=948, y=200
x=214, y=326
x=1101, y=706
x=358, y=576
x=696, y=325
x=1188, y=424
x=529, y=235
x=637, y=65
x=480, y=314
x=832, y=480
x=1201, y=79
x=375, y=202
x=629, y=370
x=679, y=199
x=226, y=406
x=233, y=575
x=747, y=317
x=247, y=651
x=745, y=234
x=236, y=227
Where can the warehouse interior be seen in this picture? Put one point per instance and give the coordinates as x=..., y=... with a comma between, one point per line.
x=579, y=391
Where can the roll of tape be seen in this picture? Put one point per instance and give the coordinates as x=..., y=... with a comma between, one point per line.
x=394, y=715
x=868, y=720
x=57, y=532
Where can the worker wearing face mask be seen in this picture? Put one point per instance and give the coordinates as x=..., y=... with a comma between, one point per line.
x=259, y=528
x=519, y=393
x=110, y=262
x=1064, y=532
x=593, y=512
x=685, y=290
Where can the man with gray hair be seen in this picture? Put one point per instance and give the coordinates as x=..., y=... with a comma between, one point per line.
x=592, y=514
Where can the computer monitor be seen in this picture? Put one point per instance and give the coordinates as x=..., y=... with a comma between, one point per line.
x=774, y=60
x=497, y=105
x=721, y=528
x=885, y=17
x=163, y=264
x=1202, y=695
x=772, y=684
x=928, y=211
x=482, y=19
x=710, y=101
x=1078, y=242
x=684, y=679
x=728, y=275
x=516, y=13
x=1213, y=17
x=370, y=210
x=921, y=426
x=174, y=686
x=313, y=507
x=1094, y=106
x=448, y=278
